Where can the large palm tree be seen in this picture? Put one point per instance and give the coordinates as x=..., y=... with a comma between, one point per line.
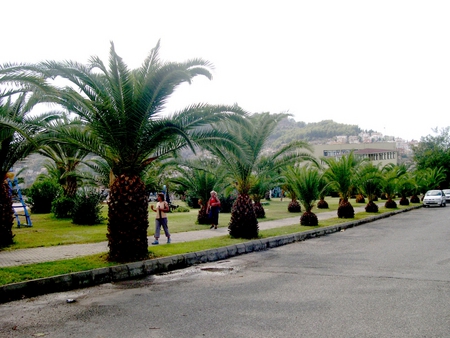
x=123, y=109
x=340, y=175
x=248, y=160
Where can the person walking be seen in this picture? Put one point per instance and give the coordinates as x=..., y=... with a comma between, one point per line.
x=213, y=208
x=161, y=218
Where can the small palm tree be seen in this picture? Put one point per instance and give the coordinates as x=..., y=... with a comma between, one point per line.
x=196, y=178
x=431, y=178
x=340, y=176
x=405, y=187
x=389, y=184
x=305, y=181
x=66, y=160
x=368, y=181
x=247, y=161
x=122, y=109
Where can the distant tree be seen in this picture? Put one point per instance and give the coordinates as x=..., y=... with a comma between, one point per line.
x=433, y=151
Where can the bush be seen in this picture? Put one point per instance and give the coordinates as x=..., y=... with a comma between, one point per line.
x=62, y=207
x=41, y=195
x=181, y=209
x=226, y=203
x=87, y=207
x=192, y=202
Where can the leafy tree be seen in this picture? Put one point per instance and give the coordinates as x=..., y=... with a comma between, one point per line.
x=340, y=176
x=433, y=151
x=122, y=109
x=248, y=161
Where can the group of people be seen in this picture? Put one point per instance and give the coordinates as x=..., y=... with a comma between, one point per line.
x=162, y=207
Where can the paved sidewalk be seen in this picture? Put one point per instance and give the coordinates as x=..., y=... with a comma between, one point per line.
x=48, y=254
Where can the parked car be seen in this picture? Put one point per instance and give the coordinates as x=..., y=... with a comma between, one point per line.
x=447, y=194
x=434, y=197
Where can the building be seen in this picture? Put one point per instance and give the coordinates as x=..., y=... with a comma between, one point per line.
x=379, y=153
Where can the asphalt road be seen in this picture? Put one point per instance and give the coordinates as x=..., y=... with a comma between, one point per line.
x=389, y=278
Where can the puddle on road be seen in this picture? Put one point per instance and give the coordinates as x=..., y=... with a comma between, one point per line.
x=216, y=268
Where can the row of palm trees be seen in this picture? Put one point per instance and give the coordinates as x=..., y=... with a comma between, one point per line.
x=306, y=182
x=117, y=114
x=120, y=119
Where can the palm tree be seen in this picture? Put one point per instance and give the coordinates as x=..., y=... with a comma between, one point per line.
x=340, y=175
x=123, y=111
x=294, y=204
x=431, y=178
x=405, y=187
x=368, y=181
x=22, y=89
x=248, y=161
x=17, y=140
x=390, y=183
x=66, y=159
x=305, y=181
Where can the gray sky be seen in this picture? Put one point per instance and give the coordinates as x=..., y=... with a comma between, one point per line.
x=382, y=65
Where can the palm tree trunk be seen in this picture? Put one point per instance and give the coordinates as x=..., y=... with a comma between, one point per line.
x=71, y=186
x=127, y=219
x=6, y=216
x=243, y=222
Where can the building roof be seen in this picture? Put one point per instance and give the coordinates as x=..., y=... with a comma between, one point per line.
x=371, y=151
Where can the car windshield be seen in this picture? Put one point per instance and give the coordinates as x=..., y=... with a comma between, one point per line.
x=446, y=191
x=434, y=193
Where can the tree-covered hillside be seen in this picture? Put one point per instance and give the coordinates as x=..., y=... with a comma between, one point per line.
x=289, y=130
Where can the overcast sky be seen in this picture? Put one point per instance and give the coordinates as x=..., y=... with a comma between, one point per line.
x=381, y=65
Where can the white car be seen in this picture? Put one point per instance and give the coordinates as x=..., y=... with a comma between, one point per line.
x=434, y=197
x=447, y=194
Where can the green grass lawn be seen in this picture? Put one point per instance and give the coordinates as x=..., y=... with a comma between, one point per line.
x=48, y=231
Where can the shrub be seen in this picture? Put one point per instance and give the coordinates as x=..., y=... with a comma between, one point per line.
x=181, y=209
x=41, y=195
x=226, y=203
x=192, y=202
x=87, y=207
x=62, y=207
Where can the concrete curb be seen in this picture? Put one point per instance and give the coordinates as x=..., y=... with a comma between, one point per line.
x=83, y=279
